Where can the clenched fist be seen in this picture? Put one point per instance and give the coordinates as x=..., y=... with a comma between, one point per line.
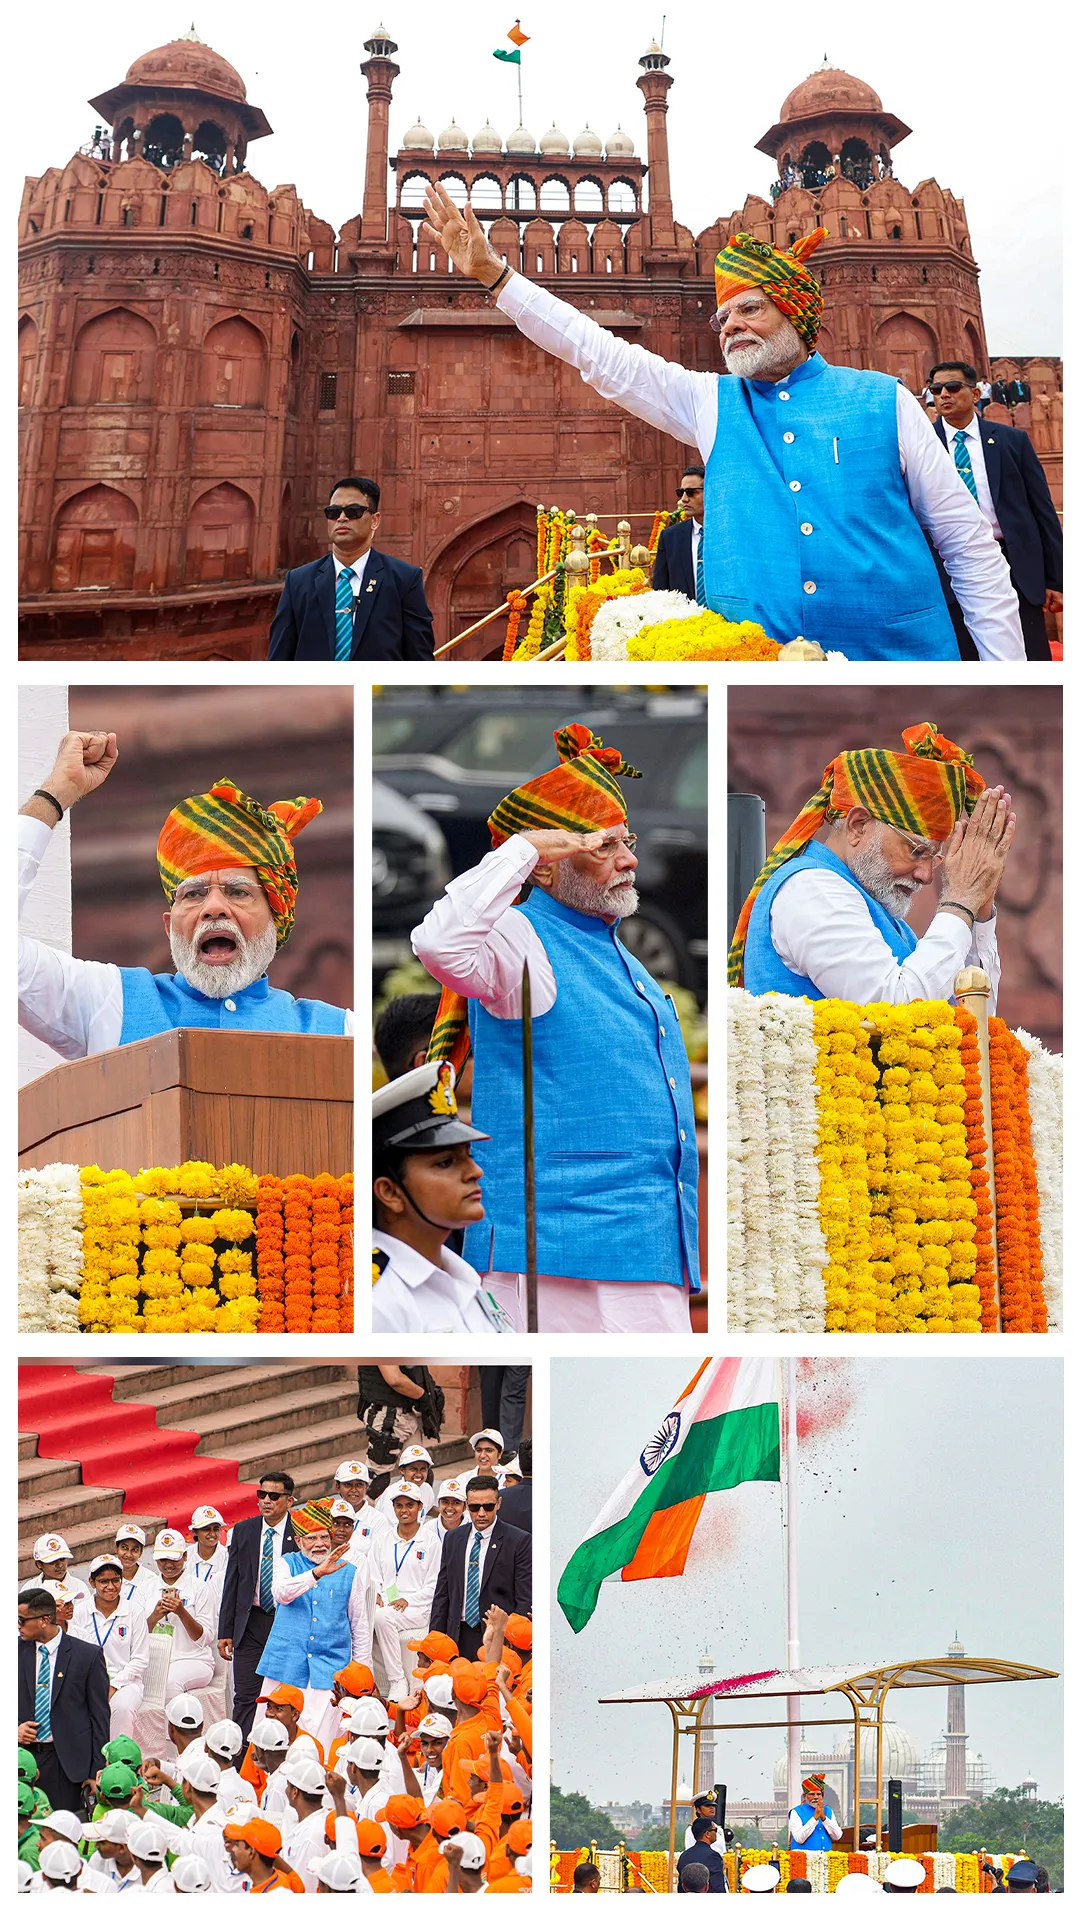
x=83, y=762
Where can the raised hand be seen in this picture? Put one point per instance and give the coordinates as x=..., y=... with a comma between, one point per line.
x=977, y=851
x=83, y=762
x=459, y=233
x=556, y=843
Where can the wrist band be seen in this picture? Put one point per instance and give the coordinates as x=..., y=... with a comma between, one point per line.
x=960, y=908
x=504, y=275
x=40, y=794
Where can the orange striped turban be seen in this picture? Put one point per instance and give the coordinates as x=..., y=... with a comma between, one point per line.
x=580, y=795
x=746, y=262
x=227, y=828
x=315, y=1517
x=923, y=792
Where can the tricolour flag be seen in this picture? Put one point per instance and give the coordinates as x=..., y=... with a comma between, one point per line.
x=520, y=40
x=722, y=1431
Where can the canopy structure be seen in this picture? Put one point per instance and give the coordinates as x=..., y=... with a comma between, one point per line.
x=865, y=1689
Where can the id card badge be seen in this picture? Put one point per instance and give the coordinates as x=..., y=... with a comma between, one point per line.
x=390, y=1594
x=498, y=1316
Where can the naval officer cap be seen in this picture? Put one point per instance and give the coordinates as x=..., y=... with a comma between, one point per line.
x=1022, y=1873
x=419, y=1110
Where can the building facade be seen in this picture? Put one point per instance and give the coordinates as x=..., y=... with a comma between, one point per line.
x=201, y=357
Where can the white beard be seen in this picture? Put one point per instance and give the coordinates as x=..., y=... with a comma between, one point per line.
x=872, y=871
x=766, y=359
x=574, y=889
x=252, y=960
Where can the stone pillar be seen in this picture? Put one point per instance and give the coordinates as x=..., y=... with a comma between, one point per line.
x=43, y=720
x=374, y=255
x=955, y=1740
x=655, y=83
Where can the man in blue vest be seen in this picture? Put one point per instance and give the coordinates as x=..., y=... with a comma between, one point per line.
x=822, y=483
x=812, y=1825
x=615, y=1152
x=828, y=920
x=321, y=1616
x=229, y=876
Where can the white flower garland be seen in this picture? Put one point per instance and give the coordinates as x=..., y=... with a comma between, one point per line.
x=619, y=619
x=50, y=1249
x=776, y=1248
x=1045, y=1094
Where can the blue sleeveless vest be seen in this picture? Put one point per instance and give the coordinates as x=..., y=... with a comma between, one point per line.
x=155, y=1002
x=808, y=526
x=763, y=969
x=311, y=1639
x=820, y=1840
x=616, y=1153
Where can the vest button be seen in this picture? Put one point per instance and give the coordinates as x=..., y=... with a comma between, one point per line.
x=671, y=1084
x=230, y=1006
x=809, y=586
x=640, y=985
x=663, y=1031
x=795, y=485
x=806, y=527
x=682, y=1133
x=788, y=438
x=783, y=396
x=680, y=1186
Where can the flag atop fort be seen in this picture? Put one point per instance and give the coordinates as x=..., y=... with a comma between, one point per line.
x=723, y=1430
x=519, y=39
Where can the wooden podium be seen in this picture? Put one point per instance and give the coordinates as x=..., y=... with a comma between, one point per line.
x=276, y=1102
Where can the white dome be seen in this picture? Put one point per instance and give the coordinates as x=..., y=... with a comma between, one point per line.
x=900, y=1755
x=453, y=139
x=520, y=141
x=487, y=140
x=619, y=144
x=553, y=141
x=418, y=137
x=588, y=142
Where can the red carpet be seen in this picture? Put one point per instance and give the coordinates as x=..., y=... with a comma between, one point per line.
x=118, y=1444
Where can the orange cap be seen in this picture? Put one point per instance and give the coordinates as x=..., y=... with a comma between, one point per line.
x=512, y=1660
x=370, y=1839
x=470, y=1687
x=446, y=1816
x=461, y=1665
x=330, y=1829
x=284, y=1697
x=518, y=1631
x=512, y=1799
x=437, y=1646
x=401, y=1810
x=259, y=1833
x=356, y=1678
x=519, y=1838
x=428, y=1673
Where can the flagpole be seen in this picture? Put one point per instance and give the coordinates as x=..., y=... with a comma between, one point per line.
x=791, y=1584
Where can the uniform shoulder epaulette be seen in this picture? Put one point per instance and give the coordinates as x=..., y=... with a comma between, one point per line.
x=379, y=1263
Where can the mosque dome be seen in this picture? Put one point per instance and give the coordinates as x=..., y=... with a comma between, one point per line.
x=588, y=143
x=487, y=140
x=900, y=1755
x=520, y=141
x=453, y=139
x=190, y=64
x=829, y=90
x=418, y=138
x=619, y=145
x=554, y=142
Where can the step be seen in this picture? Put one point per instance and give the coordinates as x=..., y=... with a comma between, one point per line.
x=146, y=1379
x=66, y=1506
x=37, y=1476
x=28, y=1446
x=90, y=1537
x=179, y=1405
x=225, y=1428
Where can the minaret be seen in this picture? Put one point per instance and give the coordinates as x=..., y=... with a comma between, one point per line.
x=374, y=254
x=956, y=1793
x=706, y=1766
x=654, y=83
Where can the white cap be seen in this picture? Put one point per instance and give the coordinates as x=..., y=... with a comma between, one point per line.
x=116, y=1824
x=270, y=1736
x=365, y=1754
x=451, y=1490
x=435, y=1725
x=190, y=1875
x=369, y=1716
x=169, y=1545
x=858, y=1883
x=128, y=1531
x=148, y=1841
x=524, y=1865
x=25, y=1876
x=225, y=1737
x=472, y=1849
x=408, y=1490
x=512, y=1469
x=439, y=1689
x=409, y=1454
x=487, y=1433
x=52, y=1546
x=303, y=1772
x=60, y=1589
x=341, y=1872
x=904, y=1873
x=200, y=1772
x=352, y=1470
x=207, y=1517
x=59, y=1861
x=104, y=1560
x=185, y=1712
x=341, y=1510
x=762, y=1878
x=60, y=1820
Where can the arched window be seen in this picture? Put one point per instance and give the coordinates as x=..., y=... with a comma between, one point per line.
x=521, y=194
x=486, y=193
x=284, y=538
x=209, y=145
x=413, y=188
x=622, y=197
x=219, y=537
x=113, y=362
x=455, y=187
x=163, y=141
x=94, y=541
x=856, y=163
x=233, y=366
x=814, y=164
x=554, y=196
x=293, y=398
x=588, y=197
x=28, y=344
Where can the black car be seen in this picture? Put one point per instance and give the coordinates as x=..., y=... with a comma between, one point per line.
x=409, y=869
x=457, y=754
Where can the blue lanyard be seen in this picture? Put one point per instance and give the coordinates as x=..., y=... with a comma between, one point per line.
x=97, y=1636
x=398, y=1564
x=208, y=1575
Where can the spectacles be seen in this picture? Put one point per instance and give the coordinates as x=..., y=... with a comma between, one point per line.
x=351, y=512
x=746, y=310
x=948, y=386
x=483, y=1506
x=239, y=893
x=608, y=848
x=919, y=850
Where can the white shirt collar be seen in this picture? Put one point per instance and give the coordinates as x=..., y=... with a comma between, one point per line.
x=357, y=566
x=412, y=1268
x=971, y=430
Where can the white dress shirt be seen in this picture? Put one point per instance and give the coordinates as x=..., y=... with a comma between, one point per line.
x=122, y=1636
x=821, y=927
x=52, y=1650
x=801, y=1830
x=306, y=1842
x=412, y=1566
x=140, y=1588
x=199, y=1602
x=74, y=1006
x=474, y=939
x=978, y=466
x=290, y=1586
x=683, y=403
x=414, y=1296
x=358, y=568
x=276, y=1534
x=485, y=1542
x=695, y=548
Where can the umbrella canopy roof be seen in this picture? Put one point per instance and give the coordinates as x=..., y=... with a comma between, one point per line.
x=938, y=1671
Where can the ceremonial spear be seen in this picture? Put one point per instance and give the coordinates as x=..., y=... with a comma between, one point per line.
x=529, y=1138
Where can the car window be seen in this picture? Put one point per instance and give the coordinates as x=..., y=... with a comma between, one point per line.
x=391, y=732
x=689, y=789
x=504, y=741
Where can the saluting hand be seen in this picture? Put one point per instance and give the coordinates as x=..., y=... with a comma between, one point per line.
x=556, y=843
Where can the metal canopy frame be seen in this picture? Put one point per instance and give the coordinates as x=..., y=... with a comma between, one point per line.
x=866, y=1692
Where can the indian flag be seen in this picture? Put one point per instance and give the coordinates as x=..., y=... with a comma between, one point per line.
x=722, y=1431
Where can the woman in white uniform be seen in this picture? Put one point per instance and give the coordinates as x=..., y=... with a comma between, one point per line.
x=118, y=1627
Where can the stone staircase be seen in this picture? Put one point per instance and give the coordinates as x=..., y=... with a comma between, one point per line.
x=298, y=1415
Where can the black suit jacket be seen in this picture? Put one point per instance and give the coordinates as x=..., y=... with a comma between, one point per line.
x=391, y=617
x=1026, y=513
x=515, y=1507
x=674, y=564
x=241, y=1574
x=701, y=1854
x=506, y=1582
x=80, y=1703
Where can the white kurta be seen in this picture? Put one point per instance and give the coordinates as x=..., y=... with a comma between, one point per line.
x=821, y=928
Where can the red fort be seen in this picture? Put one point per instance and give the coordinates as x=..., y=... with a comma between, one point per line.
x=200, y=357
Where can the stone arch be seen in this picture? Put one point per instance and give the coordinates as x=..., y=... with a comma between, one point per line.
x=28, y=346
x=503, y=235
x=471, y=574
x=905, y=347
x=163, y=142
x=555, y=194
x=413, y=188
x=455, y=187
x=233, y=365
x=93, y=543
x=974, y=351
x=607, y=245
x=486, y=193
x=857, y=162
x=210, y=144
x=589, y=196
x=538, y=248
x=219, y=537
x=814, y=162
x=622, y=197
x=521, y=193
x=292, y=402
x=573, y=246
x=284, y=539
x=113, y=361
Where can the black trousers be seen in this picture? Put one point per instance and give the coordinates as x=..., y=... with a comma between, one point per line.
x=1032, y=626
x=469, y=1640
x=503, y=1392
x=54, y=1782
x=247, y=1654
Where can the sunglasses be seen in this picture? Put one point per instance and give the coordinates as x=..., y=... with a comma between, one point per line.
x=265, y=1494
x=482, y=1506
x=687, y=493
x=948, y=386
x=349, y=513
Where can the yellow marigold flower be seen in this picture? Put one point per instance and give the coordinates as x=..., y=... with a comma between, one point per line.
x=232, y=1223
x=197, y=1229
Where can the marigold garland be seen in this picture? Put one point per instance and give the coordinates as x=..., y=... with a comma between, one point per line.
x=703, y=636
x=974, y=1123
x=1023, y=1307
x=517, y=603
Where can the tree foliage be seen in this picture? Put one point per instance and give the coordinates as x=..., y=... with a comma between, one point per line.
x=1008, y=1822
x=575, y=1822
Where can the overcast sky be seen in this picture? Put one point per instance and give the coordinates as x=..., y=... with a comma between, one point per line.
x=930, y=1503
x=982, y=104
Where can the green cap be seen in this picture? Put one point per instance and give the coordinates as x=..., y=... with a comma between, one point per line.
x=28, y=1767
x=27, y=1802
x=117, y=1782
x=122, y=1749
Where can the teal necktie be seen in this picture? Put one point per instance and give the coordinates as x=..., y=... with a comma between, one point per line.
x=343, y=614
x=699, y=571
x=963, y=463
x=42, y=1706
x=266, y=1573
x=472, y=1583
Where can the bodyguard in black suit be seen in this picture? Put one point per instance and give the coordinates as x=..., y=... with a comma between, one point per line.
x=673, y=568
x=243, y=1624
x=67, y=1746
x=505, y=1572
x=1030, y=537
x=354, y=603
